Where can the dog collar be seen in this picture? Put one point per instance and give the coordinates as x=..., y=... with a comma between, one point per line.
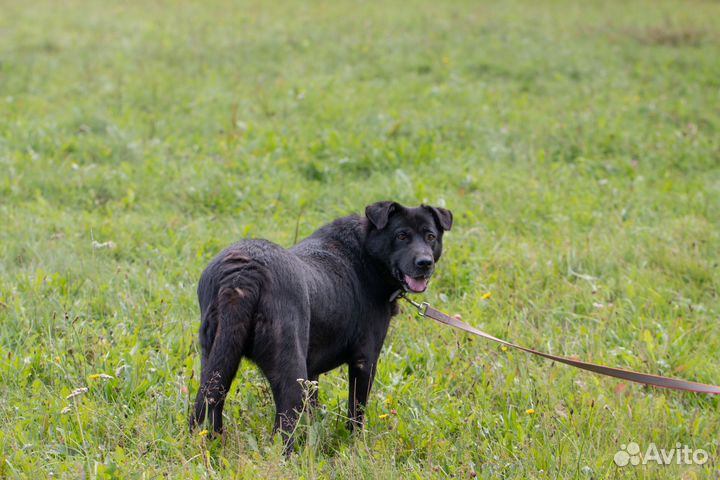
x=395, y=295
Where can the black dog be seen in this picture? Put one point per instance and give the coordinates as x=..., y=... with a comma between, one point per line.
x=301, y=312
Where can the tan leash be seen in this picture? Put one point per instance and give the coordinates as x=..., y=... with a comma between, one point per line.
x=425, y=310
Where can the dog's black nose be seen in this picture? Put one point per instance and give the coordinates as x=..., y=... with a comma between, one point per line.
x=423, y=262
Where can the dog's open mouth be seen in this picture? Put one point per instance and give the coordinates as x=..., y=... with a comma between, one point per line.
x=415, y=285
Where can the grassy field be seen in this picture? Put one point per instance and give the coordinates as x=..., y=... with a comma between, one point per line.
x=577, y=143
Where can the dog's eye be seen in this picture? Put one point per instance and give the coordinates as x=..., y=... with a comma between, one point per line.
x=430, y=237
x=402, y=236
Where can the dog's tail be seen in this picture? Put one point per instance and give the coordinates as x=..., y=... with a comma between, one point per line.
x=233, y=285
x=230, y=289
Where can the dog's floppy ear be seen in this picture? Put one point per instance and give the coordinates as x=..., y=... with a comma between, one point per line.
x=378, y=213
x=443, y=217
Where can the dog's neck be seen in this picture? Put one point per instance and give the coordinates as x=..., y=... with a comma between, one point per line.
x=395, y=295
x=384, y=284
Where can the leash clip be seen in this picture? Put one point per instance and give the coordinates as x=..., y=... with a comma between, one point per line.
x=421, y=307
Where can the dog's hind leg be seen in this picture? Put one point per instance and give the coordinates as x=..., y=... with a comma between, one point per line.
x=280, y=351
x=314, y=397
x=220, y=366
x=288, y=393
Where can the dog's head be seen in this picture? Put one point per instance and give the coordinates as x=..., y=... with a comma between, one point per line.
x=407, y=241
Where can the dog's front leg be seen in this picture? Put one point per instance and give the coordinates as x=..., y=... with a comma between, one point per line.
x=362, y=373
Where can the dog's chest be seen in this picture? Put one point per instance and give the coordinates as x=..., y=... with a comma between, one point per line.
x=350, y=334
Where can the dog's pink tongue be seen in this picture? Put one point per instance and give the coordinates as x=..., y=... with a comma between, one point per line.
x=416, y=284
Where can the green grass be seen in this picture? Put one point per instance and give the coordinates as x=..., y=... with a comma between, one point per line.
x=577, y=143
